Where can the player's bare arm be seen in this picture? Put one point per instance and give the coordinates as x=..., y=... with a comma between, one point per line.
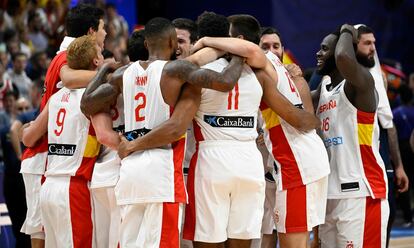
x=14, y=137
x=37, y=128
x=254, y=55
x=205, y=56
x=185, y=71
x=360, y=85
x=298, y=118
x=102, y=91
x=302, y=86
x=315, y=94
x=400, y=175
x=170, y=130
x=75, y=79
x=102, y=123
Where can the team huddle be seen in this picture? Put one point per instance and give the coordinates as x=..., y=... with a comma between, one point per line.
x=105, y=157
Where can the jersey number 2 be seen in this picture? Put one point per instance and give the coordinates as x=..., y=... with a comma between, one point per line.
x=140, y=106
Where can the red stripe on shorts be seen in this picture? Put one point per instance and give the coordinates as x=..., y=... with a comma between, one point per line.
x=372, y=226
x=170, y=234
x=190, y=212
x=296, y=216
x=80, y=213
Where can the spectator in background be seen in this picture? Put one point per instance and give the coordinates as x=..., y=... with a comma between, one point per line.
x=404, y=122
x=5, y=84
x=14, y=192
x=9, y=113
x=18, y=75
x=38, y=65
x=117, y=22
x=13, y=43
x=36, y=34
x=186, y=36
x=411, y=82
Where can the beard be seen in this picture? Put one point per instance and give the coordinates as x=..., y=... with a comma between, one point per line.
x=328, y=67
x=173, y=56
x=365, y=60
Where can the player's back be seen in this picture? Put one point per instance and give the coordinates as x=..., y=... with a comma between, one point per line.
x=73, y=146
x=229, y=115
x=144, y=109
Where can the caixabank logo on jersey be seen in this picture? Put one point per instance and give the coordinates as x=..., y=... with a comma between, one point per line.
x=61, y=149
x=230, y=121
x=135, y=134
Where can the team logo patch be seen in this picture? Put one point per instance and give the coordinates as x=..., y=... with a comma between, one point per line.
x=346, y=187
x=230, y=121
x=61, y=149
x=135, y=134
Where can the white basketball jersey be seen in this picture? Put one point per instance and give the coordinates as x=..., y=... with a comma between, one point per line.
x=351, y=138
x=153, y=175
x=300, y=157
x=229, y=115
x=106, y=171
x=73, y=146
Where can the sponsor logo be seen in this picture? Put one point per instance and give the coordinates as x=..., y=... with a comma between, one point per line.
x=334, y=141
x=346, y=187
x=61, y=149
x=327, y=106
x=135, y=134
x=230, y=121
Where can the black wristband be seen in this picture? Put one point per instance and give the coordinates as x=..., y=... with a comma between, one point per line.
x=347, y=31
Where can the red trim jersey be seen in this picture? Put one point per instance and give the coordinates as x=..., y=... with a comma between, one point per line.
x=154, y=175
x=72, y=144
x=34, y=158
x=351, y=137
x=300, y=157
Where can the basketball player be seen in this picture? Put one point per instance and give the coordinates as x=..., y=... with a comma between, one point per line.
x=65, y=197
x=357, y=209
x=106, y=213
x=296, y=169
x=81, y=19
x=271, y=41
x=186, y=36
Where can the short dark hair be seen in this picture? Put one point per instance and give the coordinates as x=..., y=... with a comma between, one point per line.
x=82, y=17
x=270, y=30
x=187, y=24
x=245, y=25
x=157, y=27
x=364, y=29
x=17, y=54
x=136, y=48
x=107, y=54
x=213, y=25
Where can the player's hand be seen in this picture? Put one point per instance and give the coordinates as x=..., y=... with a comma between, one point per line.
x=401, y=179
x=353, y=31
x=198, y=45
x=294, y=70
x=123, y=148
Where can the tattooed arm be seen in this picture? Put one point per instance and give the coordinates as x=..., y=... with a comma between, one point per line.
x=205, y=78
x=101, y=93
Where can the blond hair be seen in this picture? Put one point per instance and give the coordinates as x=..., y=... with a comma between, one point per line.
x=81, y=52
